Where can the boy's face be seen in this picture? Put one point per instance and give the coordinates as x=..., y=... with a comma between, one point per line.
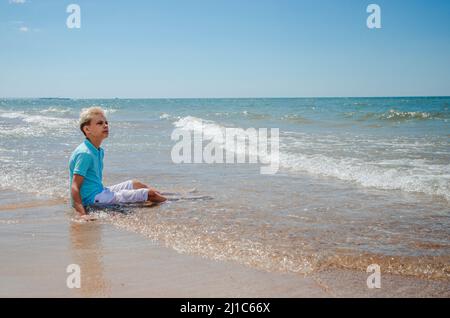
x=98, y=128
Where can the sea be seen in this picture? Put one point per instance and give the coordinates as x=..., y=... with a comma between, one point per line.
x=361, y=181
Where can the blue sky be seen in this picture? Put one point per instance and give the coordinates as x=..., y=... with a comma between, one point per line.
x=224, y=48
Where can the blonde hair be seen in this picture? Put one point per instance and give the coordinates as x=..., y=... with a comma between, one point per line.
x=87, y=114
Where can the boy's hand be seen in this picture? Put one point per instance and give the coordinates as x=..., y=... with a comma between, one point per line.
x=75, y=194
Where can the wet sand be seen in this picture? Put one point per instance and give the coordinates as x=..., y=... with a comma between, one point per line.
x=39, y=242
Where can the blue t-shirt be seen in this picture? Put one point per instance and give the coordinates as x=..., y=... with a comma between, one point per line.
x=87, y=161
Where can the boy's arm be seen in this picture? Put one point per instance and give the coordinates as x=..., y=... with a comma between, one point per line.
x=77, y=181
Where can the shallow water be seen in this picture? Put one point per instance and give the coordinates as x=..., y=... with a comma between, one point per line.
x=361, y=180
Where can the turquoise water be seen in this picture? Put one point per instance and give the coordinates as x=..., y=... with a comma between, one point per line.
x=360, y=179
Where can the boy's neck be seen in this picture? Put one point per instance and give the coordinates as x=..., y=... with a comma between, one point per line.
x=95, y=142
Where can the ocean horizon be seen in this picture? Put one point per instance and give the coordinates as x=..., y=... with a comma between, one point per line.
x=248, y=97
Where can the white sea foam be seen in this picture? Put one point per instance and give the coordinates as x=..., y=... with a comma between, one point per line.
x=39, y=119
x=110, y=110
x=400, y=174
x=398, y=115
x=56, y=110
x=429, y=179
x=211, y=130
x=36, y=125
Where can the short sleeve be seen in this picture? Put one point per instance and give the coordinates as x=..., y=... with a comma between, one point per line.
x=82, y=164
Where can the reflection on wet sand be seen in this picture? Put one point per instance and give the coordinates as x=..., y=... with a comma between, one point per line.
x=31, y=204
x=86, y=247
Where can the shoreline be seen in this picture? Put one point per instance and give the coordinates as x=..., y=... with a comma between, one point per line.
x=118, y=263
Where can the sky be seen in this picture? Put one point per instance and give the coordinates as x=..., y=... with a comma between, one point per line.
x=224, y=48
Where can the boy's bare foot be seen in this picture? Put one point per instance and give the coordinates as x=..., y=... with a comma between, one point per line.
x=155, y=196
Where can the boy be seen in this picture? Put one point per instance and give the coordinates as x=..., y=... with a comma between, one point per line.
x=86, y=166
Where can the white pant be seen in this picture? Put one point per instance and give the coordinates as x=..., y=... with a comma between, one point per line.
x=121, y=193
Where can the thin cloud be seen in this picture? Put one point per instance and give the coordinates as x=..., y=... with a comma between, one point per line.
x=23, y=29
x=17, y=1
